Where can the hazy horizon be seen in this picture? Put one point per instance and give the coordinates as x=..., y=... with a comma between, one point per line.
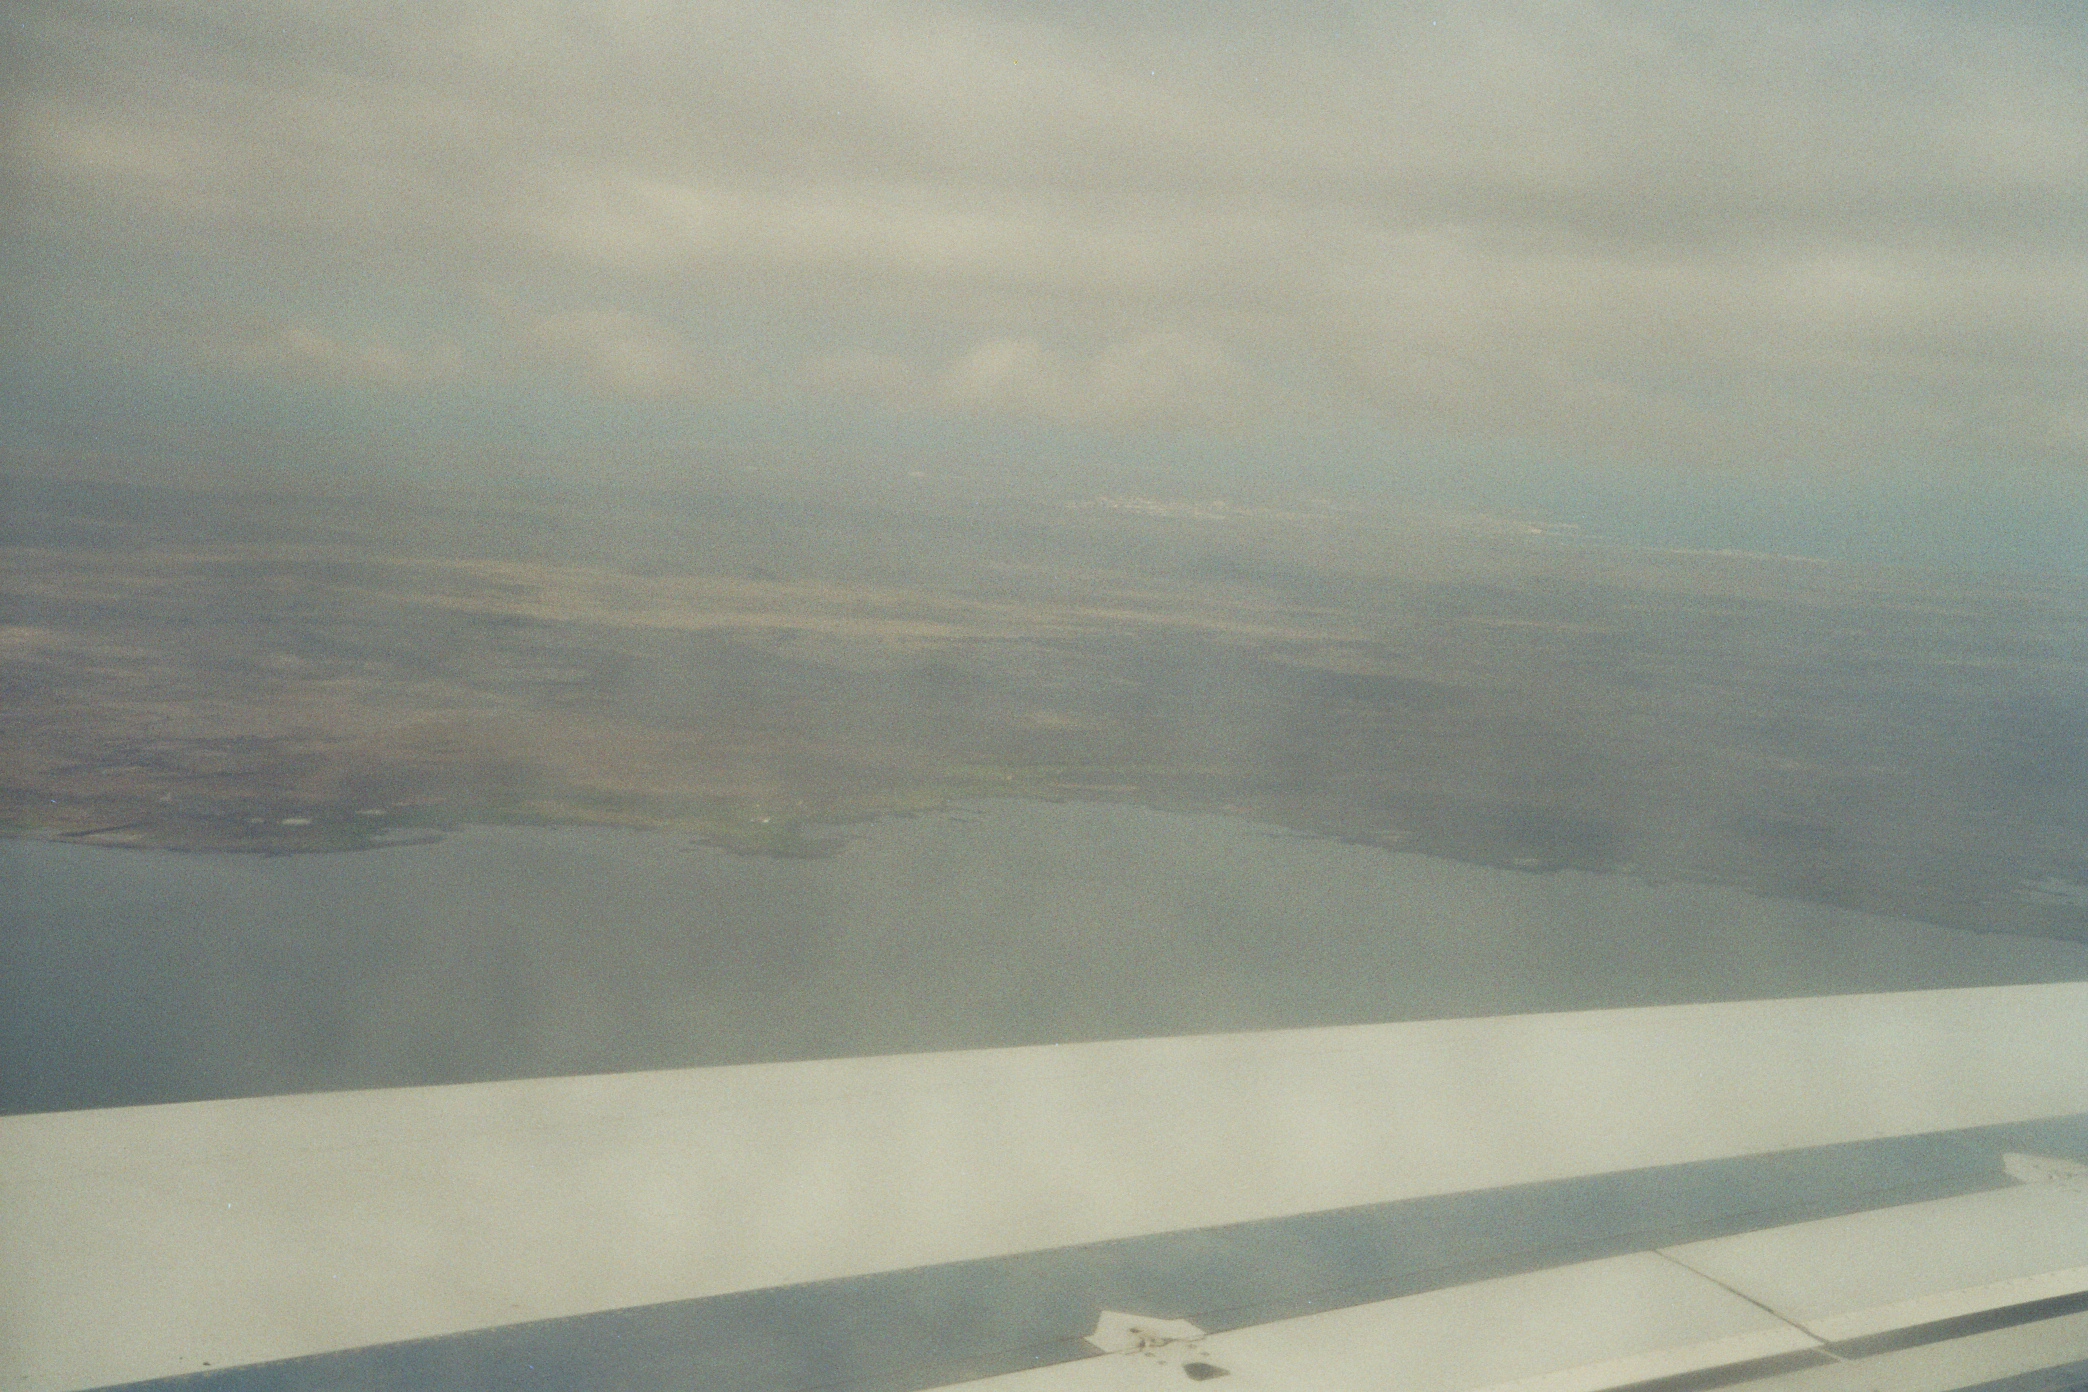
x=1807, y=278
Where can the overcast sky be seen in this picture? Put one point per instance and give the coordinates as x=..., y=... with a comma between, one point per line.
x=1695, y=239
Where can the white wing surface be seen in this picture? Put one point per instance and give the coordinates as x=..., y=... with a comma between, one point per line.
x=151, y=1241
x=1735, y=1305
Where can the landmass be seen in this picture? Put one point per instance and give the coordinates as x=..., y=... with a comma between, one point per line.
x=274, y=674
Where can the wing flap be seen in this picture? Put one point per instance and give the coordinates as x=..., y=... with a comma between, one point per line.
x=1893, y=1269
x=1587, y=1327
x=1731, y=1305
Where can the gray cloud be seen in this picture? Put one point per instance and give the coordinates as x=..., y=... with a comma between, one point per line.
x=616, y=353
x=299, y=351
x=1155, y=380
x=1695, y=233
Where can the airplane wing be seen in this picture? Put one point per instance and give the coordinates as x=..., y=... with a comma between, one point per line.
x=1755, y=1190
x=1962, y=1289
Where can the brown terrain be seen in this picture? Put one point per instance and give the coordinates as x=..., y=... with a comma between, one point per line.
x=250, y=673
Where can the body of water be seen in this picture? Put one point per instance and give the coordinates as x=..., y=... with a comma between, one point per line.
x=501, y=952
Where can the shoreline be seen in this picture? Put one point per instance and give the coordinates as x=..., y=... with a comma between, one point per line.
x=2008, y=911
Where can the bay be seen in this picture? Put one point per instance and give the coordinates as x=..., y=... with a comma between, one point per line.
x=500, y=952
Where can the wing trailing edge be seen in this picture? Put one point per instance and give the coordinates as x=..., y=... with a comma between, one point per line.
x=1758, y=1307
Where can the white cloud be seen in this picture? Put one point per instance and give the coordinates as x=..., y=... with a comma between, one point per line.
x=1701, y=231
x=300, y=351
x=884, y=377
x=615, y=353
x=1155, y=380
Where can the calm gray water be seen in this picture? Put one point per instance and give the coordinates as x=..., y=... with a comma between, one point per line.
x=134, y=976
